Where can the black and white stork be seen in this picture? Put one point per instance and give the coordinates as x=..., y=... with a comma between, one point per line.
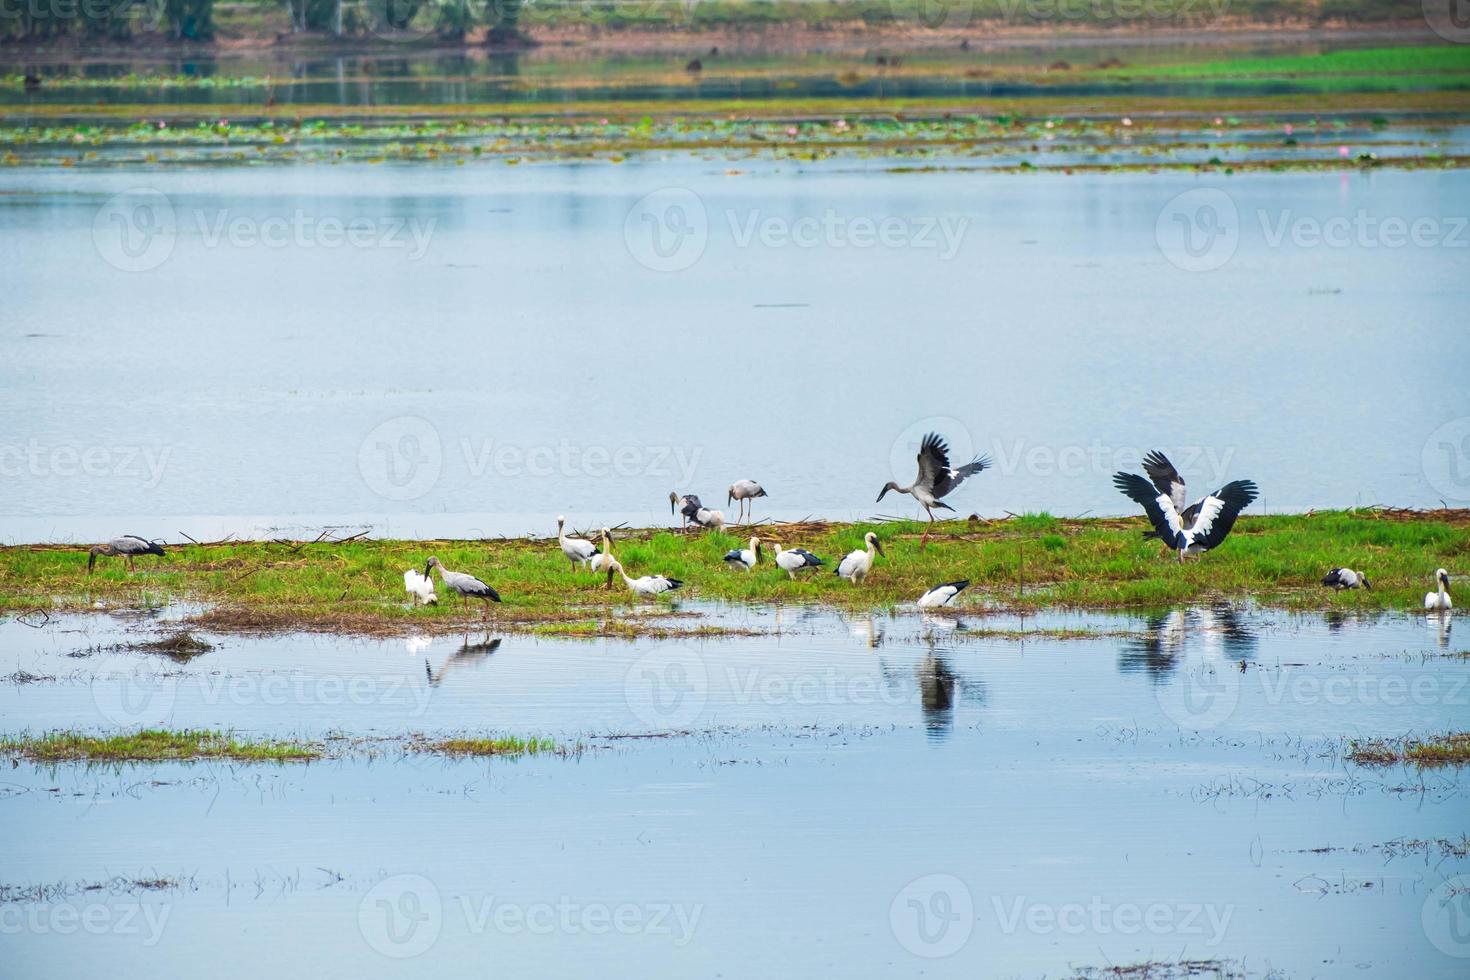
x=1200, y=526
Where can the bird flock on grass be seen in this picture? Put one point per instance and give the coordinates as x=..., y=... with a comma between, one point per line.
x=1185, y=528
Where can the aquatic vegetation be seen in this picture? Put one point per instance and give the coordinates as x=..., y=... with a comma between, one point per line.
x=1449, y=749
x=487, y=745
x=152, y=745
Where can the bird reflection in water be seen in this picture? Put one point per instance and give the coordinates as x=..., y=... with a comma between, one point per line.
x=468, y=653
x=937, y=688
x=866, y=629
x=1205, y=633
x=1441, y=623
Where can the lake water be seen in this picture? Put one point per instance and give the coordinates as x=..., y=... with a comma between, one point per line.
x=441, y=350
x=886, y=796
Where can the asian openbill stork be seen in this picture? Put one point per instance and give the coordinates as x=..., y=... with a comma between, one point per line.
x=856, y=566
x=1213, y=518
x=936, y=479
x=1439, y=600
x=466, y=585
x=743, y=493
x=745, y=558
x=128, y=546
x=941, y=595
x=648, y=585
x=795, y=560
x=579, y=551
x=1345, y=578
x=687, y=505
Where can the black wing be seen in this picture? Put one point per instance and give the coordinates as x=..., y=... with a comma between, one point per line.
x=935, y=471
x=807, y=556
x=958, y=586
x=1158, y=506
x=1333, y=577
x=1166, y=478
x=1218, y=511
x=733, y=556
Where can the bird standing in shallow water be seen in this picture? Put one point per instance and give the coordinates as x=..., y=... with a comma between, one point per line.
x=128, y=546
x=744, y=492
x=1345, y=578
x=856, y=566
x=1439, y=601
x=466, y=585
x=936, y=478
x=942, y=595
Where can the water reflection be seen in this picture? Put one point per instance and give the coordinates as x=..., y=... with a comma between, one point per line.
x=1216, y=632
x=469, y=653
x=1441, y=623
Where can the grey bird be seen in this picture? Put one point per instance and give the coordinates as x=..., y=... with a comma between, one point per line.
x=936, y=477
x=743, y=493
x=466, y=585
x=128, y=546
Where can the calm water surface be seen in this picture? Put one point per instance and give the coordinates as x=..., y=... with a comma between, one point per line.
x=471, y=350
x=874, y=797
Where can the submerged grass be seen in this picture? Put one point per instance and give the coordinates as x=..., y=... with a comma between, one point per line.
x=1449, y=749
x=153, y=745
x=1030, y=563
x=498, y=745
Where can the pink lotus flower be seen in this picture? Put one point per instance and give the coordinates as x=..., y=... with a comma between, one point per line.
x=1343, y=151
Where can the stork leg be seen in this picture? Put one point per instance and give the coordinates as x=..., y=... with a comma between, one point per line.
x=131, y=567
x=924, y=541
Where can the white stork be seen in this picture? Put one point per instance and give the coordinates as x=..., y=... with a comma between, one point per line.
x=743, y=493
x=1345, y=578
x=579, y=551
x=936, y=477
x=648, y=585
x=1214, y=516
x=745, y=558
x=856, y=566
x=1439, y=600
x=602, y=561
x=795, y=560
x=688, y=505
x=128, y=546
x=466, y=585
x=941, y=595
x=420, y=587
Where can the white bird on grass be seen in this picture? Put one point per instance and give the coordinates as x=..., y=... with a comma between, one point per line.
x=1345, y=578
x=941, y=595
x=466, y=585
x=856, y=566
x=579, y=551
x=420, y=587
x=648, y=585
x=745, y=558
x=705, y=517
x=743, y=493
x=1439, y=601
x=795, y=560
x=936, y=477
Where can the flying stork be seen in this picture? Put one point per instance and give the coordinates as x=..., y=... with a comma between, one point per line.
x=795, y=560
x=128, y=546
x=1213, y=518
x=466, y=585
x=856, y=566
x=744, y=493
x=1439, y=600
x=936, y=477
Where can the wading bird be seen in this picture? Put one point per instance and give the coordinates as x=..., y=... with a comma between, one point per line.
x=420, y=587
x=795, y=560
x=128, y=546
x=941, y=595
x=936, y=477
x=1214, y=516
x=687, y=505
x=745, y=558
x=579, y=551
x=648, y=585
x=1345, y=578
x=1439, y=600
x=705, y=517
x=602, y=561
x=856, y=566
x=467, y=586
x=744, y=493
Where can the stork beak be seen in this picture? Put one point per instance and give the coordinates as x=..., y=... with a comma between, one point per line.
x=879, y=546
x=1366, y=584
x=881, y=494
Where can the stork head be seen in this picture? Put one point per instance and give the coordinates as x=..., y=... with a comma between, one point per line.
x=890, y=485
x=92, y=557
x=429, y=566
x=730, y=495
x=1443, y=577
x=871, y=540
x=755, y=545
x=1364, y=579
x=673, y=500
x=561, y=522
x=760, y=491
